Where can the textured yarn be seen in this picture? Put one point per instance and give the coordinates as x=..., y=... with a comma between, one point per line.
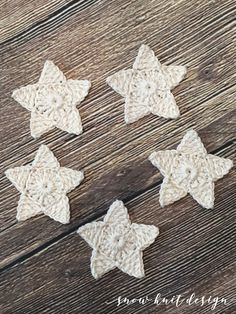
x=43, y=187
x=189, y=169
x=117, y=242
x=147, y=87
x=52, y=101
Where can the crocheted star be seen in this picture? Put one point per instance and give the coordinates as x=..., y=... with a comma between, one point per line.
x=117, y=242
x=147, y=87
x=52, y=101
x=43, y=186
x=189, y=169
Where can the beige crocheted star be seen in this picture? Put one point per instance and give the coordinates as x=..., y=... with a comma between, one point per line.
x=52, y=101
x=43, y=186
x=116, y=242
x=189, y=169
x=147, y=87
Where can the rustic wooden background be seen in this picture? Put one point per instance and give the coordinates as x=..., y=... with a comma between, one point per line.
x=45, y=265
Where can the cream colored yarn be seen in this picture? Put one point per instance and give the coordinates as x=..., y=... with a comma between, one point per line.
x=189, y=169
x=52, y=101
x=43, y=186
x=116, y=242
x=147, y=87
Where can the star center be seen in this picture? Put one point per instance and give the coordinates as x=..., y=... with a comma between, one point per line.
x=187, y=173
x=54, y=101
x=118, y=241
x=45, y=187
x=148, y=87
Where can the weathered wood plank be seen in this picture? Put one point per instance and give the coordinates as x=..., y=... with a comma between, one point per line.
x=94, y=43
x=124, y=181
x=23, y=145
x=19, y=139
x=220, y=77
x=18, y=15
x=26, y=16
x=195, y=250
x=126, y=178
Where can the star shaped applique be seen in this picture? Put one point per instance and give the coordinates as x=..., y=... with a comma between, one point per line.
x=52, y=101
x=43, y=186
x=147, y=87
x=189, y=169
x=117, y=242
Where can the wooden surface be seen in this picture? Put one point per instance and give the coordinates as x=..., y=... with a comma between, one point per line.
x=45, y=265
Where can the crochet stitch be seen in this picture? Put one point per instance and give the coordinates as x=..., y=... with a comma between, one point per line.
x=43, y=186
x=52, y=101
x=117, y=242
x=147, y=87
x=189, y=169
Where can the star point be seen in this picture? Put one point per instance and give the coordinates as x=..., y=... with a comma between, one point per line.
x=43, y=186
x=52, y=101
x=189, y=169
x=147, y=87
x=116, y=242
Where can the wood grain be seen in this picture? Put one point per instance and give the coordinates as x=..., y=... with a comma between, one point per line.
x=91, y=40
x=193, y=247
x=125, y=180
x=21, y=17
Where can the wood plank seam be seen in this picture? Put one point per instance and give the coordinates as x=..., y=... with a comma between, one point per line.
x=196, y=248
x=93, y=217
x=186, y=272
x=71, y=139
x=15, y=38
x=70, y=8
x=173, y=144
